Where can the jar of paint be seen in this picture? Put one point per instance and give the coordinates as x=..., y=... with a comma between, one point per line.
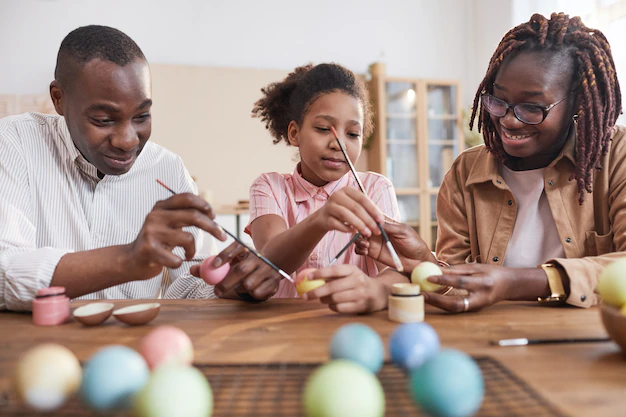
x=51, y=306
x=406, y=303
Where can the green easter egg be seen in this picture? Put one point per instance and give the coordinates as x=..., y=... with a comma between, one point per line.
x=421, y=273
x=343, y=389
x=175, y=391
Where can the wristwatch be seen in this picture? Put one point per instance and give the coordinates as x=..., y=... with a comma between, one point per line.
x=555, y=282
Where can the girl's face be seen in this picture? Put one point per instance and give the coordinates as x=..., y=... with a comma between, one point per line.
x=321, y=160
x=537, y=78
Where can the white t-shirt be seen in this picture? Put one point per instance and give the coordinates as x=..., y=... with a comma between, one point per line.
x=535, y=239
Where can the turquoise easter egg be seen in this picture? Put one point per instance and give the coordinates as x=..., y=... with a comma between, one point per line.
x=360, y=344
x=448, y=385
x=111, y=378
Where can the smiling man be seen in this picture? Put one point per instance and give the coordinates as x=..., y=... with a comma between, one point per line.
x=80, y=205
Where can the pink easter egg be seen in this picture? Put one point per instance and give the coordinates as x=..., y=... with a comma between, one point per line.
x=166, y=345
x=211, y=275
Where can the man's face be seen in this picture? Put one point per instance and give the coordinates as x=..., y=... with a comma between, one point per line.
x=107, y=110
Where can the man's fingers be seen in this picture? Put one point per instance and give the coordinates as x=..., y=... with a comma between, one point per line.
x=267, y=288
x=195, y=270
x=186, y=201
x=234, y=250
x=178, y=219
x=237, y=273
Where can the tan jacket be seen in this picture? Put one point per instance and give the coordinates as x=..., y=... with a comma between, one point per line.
x=476, y=212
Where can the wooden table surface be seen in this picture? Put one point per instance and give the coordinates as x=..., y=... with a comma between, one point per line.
x=579, y=379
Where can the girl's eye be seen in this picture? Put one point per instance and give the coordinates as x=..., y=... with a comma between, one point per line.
x=323, y=129
x=354, y=135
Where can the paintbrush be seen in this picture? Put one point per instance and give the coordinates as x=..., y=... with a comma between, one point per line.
x=261, y=257
x=394, y=254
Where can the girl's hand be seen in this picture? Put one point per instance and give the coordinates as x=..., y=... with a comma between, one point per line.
x=408, y=244
x=348, y=290
x=349, y=210
x=485, y=285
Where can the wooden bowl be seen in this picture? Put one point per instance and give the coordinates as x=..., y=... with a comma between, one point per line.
x=615, y=324
x=93, y=314
x=137, y=314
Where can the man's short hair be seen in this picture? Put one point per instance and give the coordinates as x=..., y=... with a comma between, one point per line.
x=86, y=43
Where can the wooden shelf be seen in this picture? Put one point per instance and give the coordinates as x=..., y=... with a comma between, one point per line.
x=443, y=117
x=402, y=141
x=407, y=191
x=401, y=115
x=447, y=142
x=433, y=100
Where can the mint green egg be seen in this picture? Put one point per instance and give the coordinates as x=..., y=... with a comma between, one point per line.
x=448, y=385
x=175, y=391
x=342, y=388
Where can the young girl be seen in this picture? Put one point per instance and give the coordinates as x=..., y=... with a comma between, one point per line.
x=540, y=209
x=303, y=219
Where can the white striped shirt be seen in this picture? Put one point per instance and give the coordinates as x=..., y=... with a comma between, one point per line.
x=52, y=203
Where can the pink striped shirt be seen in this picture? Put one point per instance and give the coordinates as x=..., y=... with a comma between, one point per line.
x=293, y=198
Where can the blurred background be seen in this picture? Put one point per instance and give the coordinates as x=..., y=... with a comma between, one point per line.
x=422, y=60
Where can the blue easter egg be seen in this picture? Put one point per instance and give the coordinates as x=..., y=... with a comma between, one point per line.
x=448, y=385
x=360, y=344
x=412, y=344
x=111, y=378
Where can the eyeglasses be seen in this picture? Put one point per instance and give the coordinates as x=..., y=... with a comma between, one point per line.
x=531, y=114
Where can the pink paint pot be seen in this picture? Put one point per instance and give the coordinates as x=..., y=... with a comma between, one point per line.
x=51, y=306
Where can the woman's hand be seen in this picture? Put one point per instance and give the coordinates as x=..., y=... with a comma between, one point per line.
x=348, y=290
x=485, y=285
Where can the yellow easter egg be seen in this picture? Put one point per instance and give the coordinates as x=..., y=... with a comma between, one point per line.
x=309, y=285
x=421, y=273
x=46, y=376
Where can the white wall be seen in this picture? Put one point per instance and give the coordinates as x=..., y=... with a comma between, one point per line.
x=416, y=38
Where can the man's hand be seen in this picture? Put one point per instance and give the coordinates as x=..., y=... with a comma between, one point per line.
x=162, y=231
x=248, y=274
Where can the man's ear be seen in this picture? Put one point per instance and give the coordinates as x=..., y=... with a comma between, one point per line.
x=58, y=96
x=293, y=131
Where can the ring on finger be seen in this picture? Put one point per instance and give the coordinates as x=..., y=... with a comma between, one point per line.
x=465, y=304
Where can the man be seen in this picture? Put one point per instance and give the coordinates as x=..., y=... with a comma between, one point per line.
x=80, y=206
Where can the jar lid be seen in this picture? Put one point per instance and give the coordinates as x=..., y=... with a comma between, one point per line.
x=50, y=292
x=405, y=289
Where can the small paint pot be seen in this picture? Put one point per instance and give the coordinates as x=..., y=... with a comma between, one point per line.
x=51, y=306
x=406, y=303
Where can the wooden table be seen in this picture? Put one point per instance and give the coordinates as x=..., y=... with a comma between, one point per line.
x=580, y=379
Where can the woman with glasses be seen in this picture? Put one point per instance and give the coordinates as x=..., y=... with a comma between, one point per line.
x=540, y=209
